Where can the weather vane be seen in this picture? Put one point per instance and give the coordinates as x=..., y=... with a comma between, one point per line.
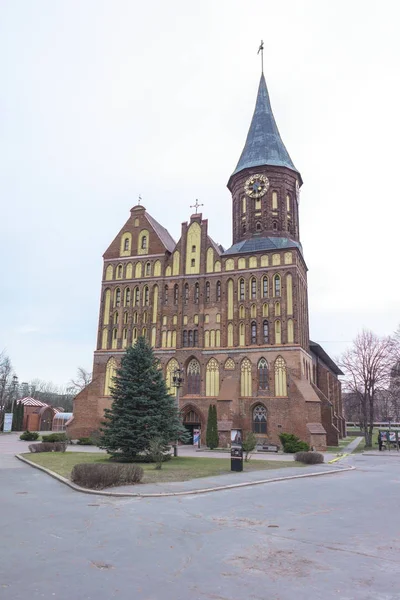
x=261, y=49
x=196, y=205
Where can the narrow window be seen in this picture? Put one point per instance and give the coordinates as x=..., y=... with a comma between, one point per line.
x=176, y=293
x=253, y=288
x=277, y=285
x=241, y=289
x=196, y=293
x=265, y=332
x=190, y=338
x=243, y=205
x=193, y=262
x=254, y=333
x=144, y=242
x=146, y=296
x=193, y=248
x=243, y=228
x=208, y=291
x=166, y=295
x=186, y=293
x=265, y=287
x=262, y=374
x=126, y=244
x=147, y=271
x=195, y=338
x=258, y=226
x=136, y=296
x=185, y=339
x=118, y=297
x=119, y=272
x=260, y=419
x=288, y=203
x=218, y=291
x=274, y=225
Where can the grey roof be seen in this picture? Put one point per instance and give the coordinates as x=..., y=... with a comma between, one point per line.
x=216, y=247
x=263, y=144
x=162, y=233
x=320, y=352
x=263, y=243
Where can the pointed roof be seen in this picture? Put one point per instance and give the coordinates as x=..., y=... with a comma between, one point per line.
x=162, y=233
x=264, y=145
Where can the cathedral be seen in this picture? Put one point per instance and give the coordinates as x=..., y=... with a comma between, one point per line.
x=229, y=325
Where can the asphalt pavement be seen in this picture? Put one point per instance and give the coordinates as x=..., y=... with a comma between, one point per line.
x=318, y=538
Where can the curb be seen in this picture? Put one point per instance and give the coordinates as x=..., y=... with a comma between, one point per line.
x=231, y=486
x=337, y=458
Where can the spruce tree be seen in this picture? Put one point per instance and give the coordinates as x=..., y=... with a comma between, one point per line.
x=142, y=409
x=212, y=439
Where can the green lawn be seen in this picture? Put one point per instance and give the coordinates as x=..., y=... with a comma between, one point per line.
x=361, y=445
x=177, y=469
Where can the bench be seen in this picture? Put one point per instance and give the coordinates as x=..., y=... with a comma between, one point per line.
x=267, y=447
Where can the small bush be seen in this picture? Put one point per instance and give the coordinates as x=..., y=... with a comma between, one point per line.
x=55, y=437
x=157, y=450
x=309, y=458
x=29, y=436
x=292, y=444
x=139, y=458
x=85, y=441
x=249, y=444
x=98, y=476
x=48, y=447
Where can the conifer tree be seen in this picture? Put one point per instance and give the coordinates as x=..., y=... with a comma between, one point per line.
x=142, y=408
x=212, y=439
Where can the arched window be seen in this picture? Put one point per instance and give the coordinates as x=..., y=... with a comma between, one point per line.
x=289, y=294
x=280, y=377
x=116, y=318
x=278, y=332
x=207, y=339
x=277, y=309
x=157, y=268
x=218, y=291
x=230, y=299
x=124, y=337
x=114, y=338
x=244, y=204
x=109, y=273
x=274, y=200
x=241, y=312
x=119, y=272
x=155, y=303
x=144, y=332
x=138, y=270
x=212, y=378
x=259, y=419
x=265, y=310
x=274, y=225
x=190, y=338
x=196, y=293
x=288, y=203
x=265, y=332
x=195, y=338
x=254, y=332
x=184, y=339
x=253, y=288
x=107, y=304
x=144, y=242
x=166, y=294
x=277, y=285
x=253, y=311
x=176, y=293
x=241, y=335
x=135, y=317
x=242, y=294
x=245, y=378
x=262, y=374
x=258, y=226
x=230, y=334
x=128, y=272
x=145, y=296
x=111, y=369
x=207, y=291
x=127, y=299
x=193, y=377
x=265, y=287
x=169, y=374
x=117, y=297
x=125, y=245
x=290, y=331
x=145, y=317
x=186, y=293
x=134, y=336
x=104, y=339
x=136, y=296
x=147, y=270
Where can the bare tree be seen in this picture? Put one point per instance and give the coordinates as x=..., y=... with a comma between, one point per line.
x=82, y=379
x=367, y=366
x=8, y=385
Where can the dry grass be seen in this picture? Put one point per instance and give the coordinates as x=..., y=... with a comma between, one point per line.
x=177, y=469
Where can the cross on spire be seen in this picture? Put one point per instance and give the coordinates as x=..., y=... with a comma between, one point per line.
x=261, y=49
x=196, y=205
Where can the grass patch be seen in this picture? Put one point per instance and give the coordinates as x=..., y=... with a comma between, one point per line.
x=177, y=469
x=361, y=446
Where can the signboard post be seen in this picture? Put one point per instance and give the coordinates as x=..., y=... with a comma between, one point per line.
x=236, y=450
x=196, y=437
x=8, y=419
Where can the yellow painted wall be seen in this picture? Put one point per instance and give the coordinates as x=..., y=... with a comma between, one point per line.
x=264, y=260
x=290, y=331
x=278, y=336
x=107, y=303
x=245, y=378
x=207, y=339
x=176, y=262
x=241, y=334
x=155, y=303
x=218, y=338
x=104, y=339
x=125, y=236
x=230, y=335
x=212, y=378
x=217, y=266
x=289, y=294
x=193, y=239
x=110, y=373
x=168, y=271
x=230, y=299
x=210, y=260
x=230, y=264
x=138, y=270
x=288, y=258
x=134, y=336
x=164, y=339
x=142, y=234
x=277, y=309
x=253, y=311
x=153, y=336
x=171, y=367
x=265, y=310
x=280, y=377
x=253, y=262
x=124, y=337
x=241, y=263
x=212, y=338
x=276, y=259
x=109, y=273
x=174, y=339
x=157, y=268
x=129, y=271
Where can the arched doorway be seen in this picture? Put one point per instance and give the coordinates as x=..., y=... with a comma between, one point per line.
x=192, y=421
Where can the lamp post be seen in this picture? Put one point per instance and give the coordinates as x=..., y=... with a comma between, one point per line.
x=14, y=391
x=177, y=381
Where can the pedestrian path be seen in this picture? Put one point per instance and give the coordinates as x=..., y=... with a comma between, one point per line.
x=353, y=445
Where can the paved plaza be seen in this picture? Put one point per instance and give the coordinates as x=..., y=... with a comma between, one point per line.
x=320, y=538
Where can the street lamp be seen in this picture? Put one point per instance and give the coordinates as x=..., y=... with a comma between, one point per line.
x=177, y=381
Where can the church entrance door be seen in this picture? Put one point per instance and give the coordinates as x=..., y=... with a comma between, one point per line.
x=191, y=421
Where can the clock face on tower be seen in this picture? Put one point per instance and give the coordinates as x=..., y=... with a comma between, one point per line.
x=256, y=186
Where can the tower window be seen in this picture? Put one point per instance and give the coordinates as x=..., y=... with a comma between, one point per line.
x=190, y=338
x=185, y=339
x=277, y=285
x=254, y=333
x=193, y=262
x=147, y=268
x=186, y=293
x=208, y=291
x=166, y=295
x=218, y=291
x=193, y=248
x=176, y=293
x=196, y=293
x=146, y=296
x=258, y=226
x=265, y=332
x=241, y=289
x=195, y=338
x=144, y=242
x=265, y=287
x=119, y=272
x=274, y=225
x=274, y=200
x=253, y=288
x=243, y=205
x=262, y=374
x=136, y=296
x=288, y=203
x=118, y=297
x=126, y=244
x=244, y=228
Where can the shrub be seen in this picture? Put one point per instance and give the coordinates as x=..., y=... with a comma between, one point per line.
x=157, y=450
x=95, y=438
x=85, y=441
x=248, y=445
x=48, y=447
x=100, y=475
x=292, y=444
x=309, y=458
x=139, y=458
x=55, y=437
x=29, y=436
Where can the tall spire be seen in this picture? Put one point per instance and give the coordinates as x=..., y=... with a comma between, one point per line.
x=263, y=144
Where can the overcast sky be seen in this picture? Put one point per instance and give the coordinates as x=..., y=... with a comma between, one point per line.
x=103, y=100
